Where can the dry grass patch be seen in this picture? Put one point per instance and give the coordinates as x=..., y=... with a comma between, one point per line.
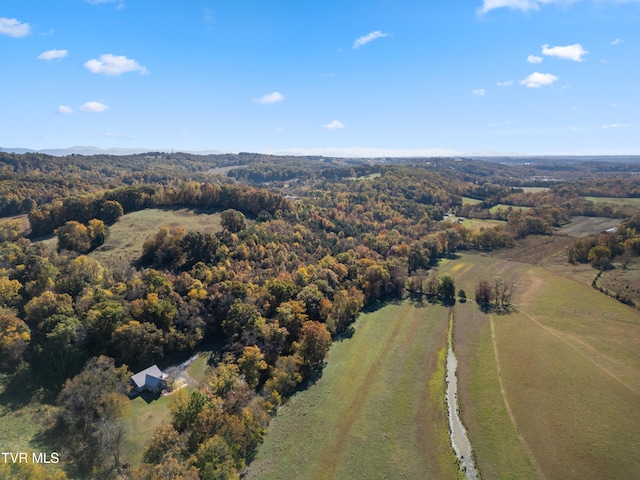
x=583, y=226
x=127, y=235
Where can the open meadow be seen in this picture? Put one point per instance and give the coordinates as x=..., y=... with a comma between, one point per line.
x=378, y=410
x=617, y=201
x=127, y=235
x=552, y=389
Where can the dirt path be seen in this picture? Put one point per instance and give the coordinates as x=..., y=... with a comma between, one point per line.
x=179, y=374
x=508, y=406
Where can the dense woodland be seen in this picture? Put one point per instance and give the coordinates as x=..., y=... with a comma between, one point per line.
x=326, y=238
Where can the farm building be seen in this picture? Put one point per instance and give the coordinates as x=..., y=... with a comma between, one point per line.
x=151, y=379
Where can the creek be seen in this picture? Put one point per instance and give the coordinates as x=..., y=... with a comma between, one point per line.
x=457, y=432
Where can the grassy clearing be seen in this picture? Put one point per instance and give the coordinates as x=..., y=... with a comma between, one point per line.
x=478, y=223
x=142, y=420
x=22, y=424
x=23, y=219
x=623, y=281
x=198, y=368
x=365, y=177
x=534, y=189
x=470, y=201
x=617, y=201
x=377, y=412
x=583, y=226
x=569, y=365
x=127, y=235
x=504, y=206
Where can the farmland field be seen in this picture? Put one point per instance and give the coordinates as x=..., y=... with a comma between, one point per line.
x=470, y=201
x=618, y=201
x=534, y=189
x=504, y=206
x=127, y=235
x=582, y=226
x=551, y=390
x=377, y=411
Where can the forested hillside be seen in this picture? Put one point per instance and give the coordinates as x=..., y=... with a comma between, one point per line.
x=305, y=245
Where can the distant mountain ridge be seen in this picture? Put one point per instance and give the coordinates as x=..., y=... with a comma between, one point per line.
x=88, y=150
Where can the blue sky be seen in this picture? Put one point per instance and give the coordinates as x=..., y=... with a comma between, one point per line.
x=363, y=78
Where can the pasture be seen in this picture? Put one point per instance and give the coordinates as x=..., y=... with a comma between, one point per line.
x=583, y=226
x=551, y=390
x=617, y=201
x=470, y=201
x=534, y=189
x=378, y=410
x=504, y=206
x=142, y=419
x=127, y=235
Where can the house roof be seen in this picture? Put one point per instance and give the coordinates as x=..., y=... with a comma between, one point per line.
x=150, y=377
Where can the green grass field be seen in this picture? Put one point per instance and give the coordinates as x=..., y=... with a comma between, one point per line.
x=128, y=234
x=534, y=189
x=377, y=412
x=143, y=418
x=470, y=201
x=551, y=390
x=504, y=206
x=22, y=423
x=618, y=201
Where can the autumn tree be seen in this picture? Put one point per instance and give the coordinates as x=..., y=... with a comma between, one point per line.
x=484, y=293
x=446, y=287
x=251, y=365
x=233, y=220
x=14, y=339
x=314, y=344
x=110, y=211
x=285, y=376
x=599, y=256
x=92, y=408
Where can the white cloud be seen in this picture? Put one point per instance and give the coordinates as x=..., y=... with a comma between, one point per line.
x=368, y=38
x=101, y=2
x=537, y=80
x=573, y=52
x=524, y=5
x=14, y=28
x=614, y=125
x=617, y=41
x=336, y=124
x=508, y=83
x=63, y=109
x=480, y=92
x=269, y=98
x=534, y=59
x=113, y=65
x=94, y=107
x=53, y=54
